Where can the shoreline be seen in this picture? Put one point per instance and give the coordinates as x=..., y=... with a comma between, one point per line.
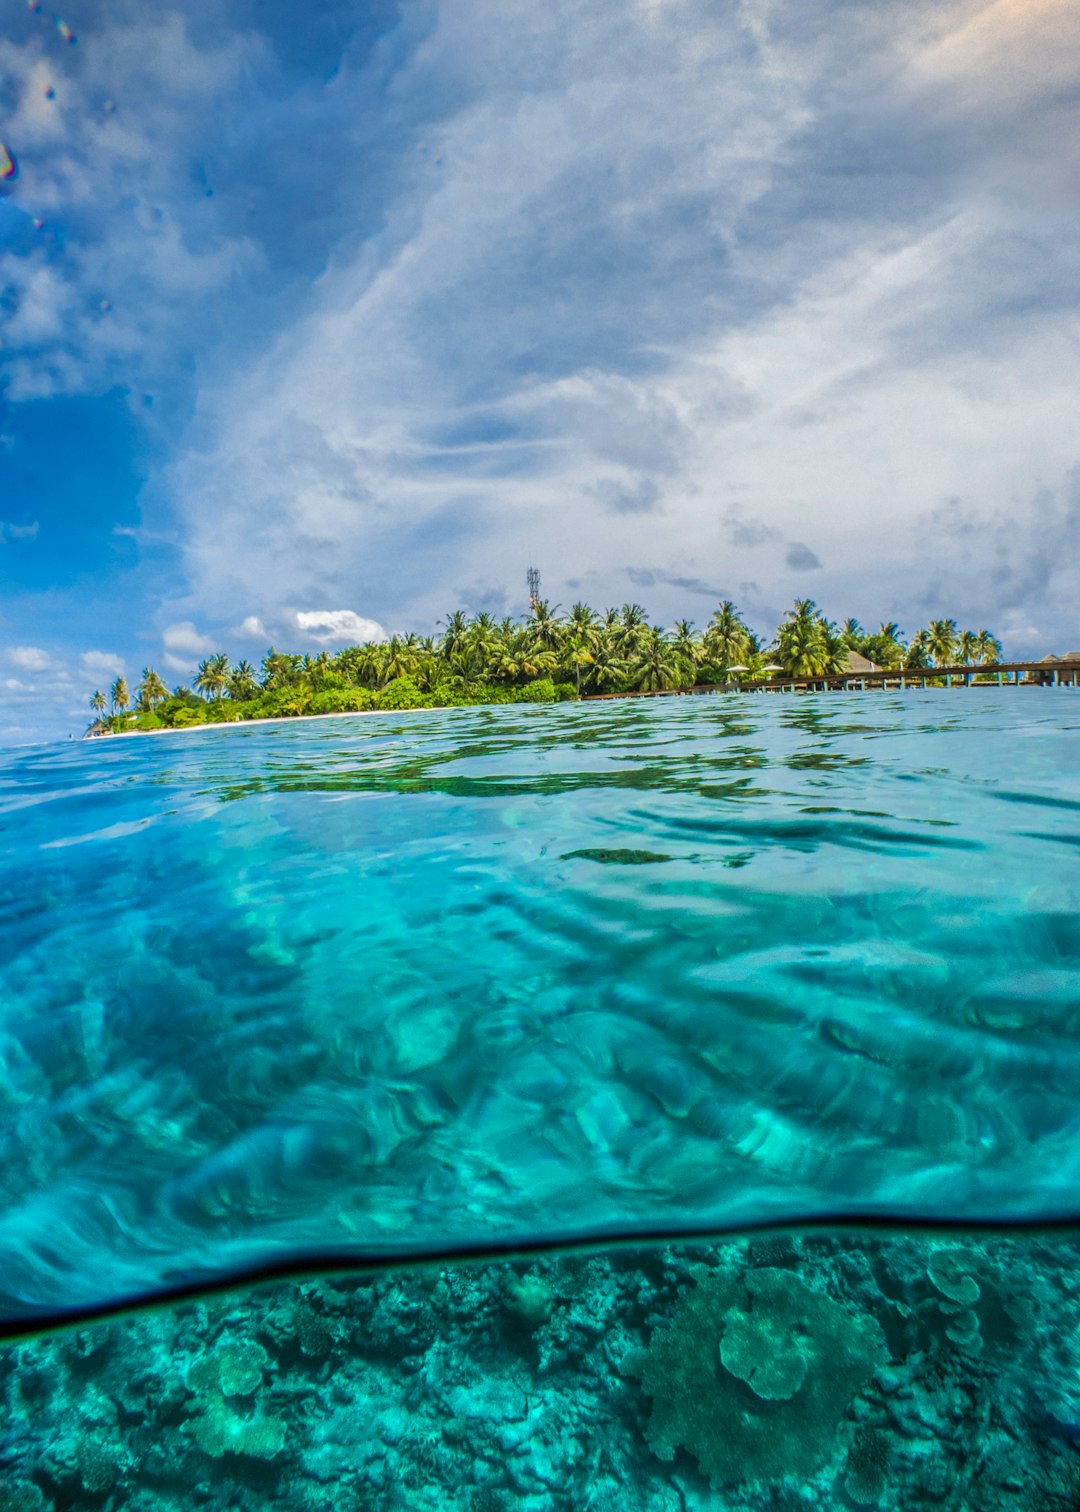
x=879, y=682
x=232, y=724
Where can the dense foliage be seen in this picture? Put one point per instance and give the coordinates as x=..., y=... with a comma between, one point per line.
x=539, y=660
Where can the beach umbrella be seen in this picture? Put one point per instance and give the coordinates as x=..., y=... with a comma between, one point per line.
x=772, y=667
x=738, y=667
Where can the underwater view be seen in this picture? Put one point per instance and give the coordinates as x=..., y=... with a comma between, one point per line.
x=646, y=1104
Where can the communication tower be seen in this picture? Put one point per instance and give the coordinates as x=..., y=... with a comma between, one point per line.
x=532, y=577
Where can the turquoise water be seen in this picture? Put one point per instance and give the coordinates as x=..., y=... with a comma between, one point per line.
x=389, y=984
x=384, y=987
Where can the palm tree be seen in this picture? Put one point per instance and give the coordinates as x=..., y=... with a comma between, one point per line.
x=546, y=627
x=280, y=669
x=918, y=653
x=466, y=669
x=242, y=684
x=988, y=647
x=582, y=639
x=608, y=669
x=151, y=691
x=657, y=664
x=688, y=645
x=315, y=668
x=427, y=671
x=213, y=676
x=98, y=703
x=941, y=641
x=454, y=634
x=852, y=635
x=968, y=647
x=118, y=695
x=628, y=632
x=885, y=646
x=582, y=621
x=398, y=659
x=803, y=642
x=362, y=665
x=726, y=636
x=577, y=659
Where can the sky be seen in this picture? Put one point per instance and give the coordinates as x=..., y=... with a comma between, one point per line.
x=319, y=321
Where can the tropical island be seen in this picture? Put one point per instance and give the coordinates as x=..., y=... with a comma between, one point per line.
x=542, y=659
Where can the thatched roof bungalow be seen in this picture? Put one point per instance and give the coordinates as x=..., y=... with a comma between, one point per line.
x=856, y=665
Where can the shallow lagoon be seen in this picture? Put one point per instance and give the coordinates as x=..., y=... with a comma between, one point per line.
x=392, y=985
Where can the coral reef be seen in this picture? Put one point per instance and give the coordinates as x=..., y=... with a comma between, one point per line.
x=867, y=1467
x=794, y=1372
x=753, y=1374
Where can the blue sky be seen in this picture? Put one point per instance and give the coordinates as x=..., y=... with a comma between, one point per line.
x=321, y=321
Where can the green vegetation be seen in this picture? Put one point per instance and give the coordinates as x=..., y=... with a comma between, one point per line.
x=544, y=659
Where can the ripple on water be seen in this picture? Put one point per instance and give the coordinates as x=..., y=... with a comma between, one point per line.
x=509, y=973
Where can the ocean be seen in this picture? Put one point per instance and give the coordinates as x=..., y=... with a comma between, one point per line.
x=649, y=1104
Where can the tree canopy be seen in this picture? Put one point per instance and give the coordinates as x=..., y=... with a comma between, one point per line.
x=548, y=655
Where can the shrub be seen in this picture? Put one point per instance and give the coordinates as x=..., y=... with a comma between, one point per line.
x=221, y=711
x=182, y=717
x=447, y=696
x=540, y=691
x=565, y=691
x=342, y=700
x=283, y=702
x=403, y=693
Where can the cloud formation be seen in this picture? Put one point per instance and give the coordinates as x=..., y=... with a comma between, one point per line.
x=342, y=625
x=12, y=532
x=103, y=663
x=800, y=558
x=183, y=638
x=398, y=306
x=28, y=658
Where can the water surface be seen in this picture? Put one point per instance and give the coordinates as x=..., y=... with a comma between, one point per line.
x=389, y=983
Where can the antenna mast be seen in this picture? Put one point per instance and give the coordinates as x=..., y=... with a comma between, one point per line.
x=532, y=577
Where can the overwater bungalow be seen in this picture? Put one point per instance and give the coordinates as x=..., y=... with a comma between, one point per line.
x=1059, y=669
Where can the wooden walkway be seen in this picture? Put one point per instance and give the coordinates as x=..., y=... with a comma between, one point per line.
x=1063, y=674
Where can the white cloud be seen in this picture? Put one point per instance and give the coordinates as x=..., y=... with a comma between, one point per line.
x=1007, y=52
x=638, y=253
x=184, y=637
x=13, y=684
x=10, y=532
x=29, y=658
x=670, y=284
x=326, y=625
x=1018, y=629
x=104, y=662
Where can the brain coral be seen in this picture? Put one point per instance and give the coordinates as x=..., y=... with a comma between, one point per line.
x=753, y=1374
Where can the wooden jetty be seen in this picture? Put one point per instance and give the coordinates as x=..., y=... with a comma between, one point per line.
x=1056, y=672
